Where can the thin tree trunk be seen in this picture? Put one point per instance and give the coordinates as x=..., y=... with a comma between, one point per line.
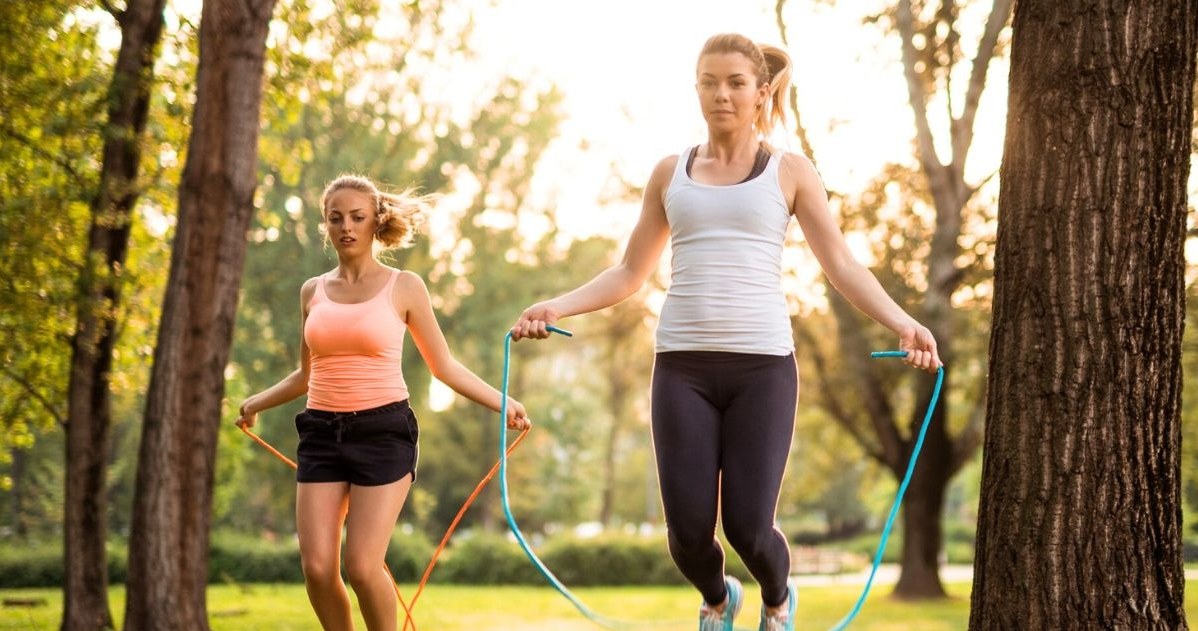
x=173, y=501
x=20, y=520
x=85, y=591
x=923, y=505
x=1080, y=517
x=617, y=405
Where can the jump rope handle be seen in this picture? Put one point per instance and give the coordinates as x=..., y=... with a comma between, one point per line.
x=888, y=354
x=554, y=329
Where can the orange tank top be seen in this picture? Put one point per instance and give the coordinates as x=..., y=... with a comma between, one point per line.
x=355, y=351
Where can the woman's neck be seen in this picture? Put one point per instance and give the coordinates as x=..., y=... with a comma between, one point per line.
x=725, y=147
x=356, y=268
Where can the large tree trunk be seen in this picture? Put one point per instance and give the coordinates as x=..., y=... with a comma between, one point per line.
x=85, y=592
x=1080, y=517
x=173, y=502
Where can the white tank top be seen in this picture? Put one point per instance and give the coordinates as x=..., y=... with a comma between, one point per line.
x=726, y=271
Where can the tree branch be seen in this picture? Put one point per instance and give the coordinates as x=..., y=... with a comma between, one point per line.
x=948, y=13
x=800, y=130
x=117, y=14
x=916, y=94
x=855, y=349
x=963, y=127
x=31, y=391
x=973, y=190
x=36, y=148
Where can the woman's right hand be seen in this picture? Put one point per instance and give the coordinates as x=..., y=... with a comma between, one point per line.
x=246, y=418
x=535, y=320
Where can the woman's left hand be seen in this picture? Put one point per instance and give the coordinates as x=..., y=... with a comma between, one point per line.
x=917, y=340
x=517, y=417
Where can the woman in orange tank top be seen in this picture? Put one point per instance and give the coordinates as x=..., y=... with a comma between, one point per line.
x=358, y=437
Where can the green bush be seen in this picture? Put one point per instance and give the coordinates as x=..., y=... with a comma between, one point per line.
x=241, y=559
x=408, y=555
x=40, y=564
x=233, y=558
x=867, y=546
x=611, y=560
x=485, y=559
x=481, y=559
x=238, y=558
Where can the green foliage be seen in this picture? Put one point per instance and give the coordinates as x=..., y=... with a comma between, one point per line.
x=612, y=560
x=237, y=558
x=51, y=95
x=40, y=564
x=486, y=559
x=408, y=555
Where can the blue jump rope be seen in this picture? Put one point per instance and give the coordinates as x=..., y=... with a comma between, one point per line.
x=616, y=624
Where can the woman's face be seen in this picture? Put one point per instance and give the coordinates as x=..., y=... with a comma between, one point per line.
x=728, y=92
x=351, y=220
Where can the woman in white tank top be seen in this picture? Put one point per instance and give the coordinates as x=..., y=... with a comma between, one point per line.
x=724, y=383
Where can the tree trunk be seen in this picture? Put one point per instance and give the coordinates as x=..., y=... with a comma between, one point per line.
x=173, y=500
x=923, y=504
x=20, y=521
x=85, y=590
x=1080, y=516
x=617, y=404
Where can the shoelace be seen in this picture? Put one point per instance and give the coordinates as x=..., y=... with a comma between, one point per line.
x=776, y=623
x=710, y=619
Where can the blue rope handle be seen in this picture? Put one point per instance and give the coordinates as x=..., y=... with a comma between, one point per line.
x=898, y=498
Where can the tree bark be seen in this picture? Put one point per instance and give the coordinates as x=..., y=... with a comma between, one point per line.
x=85, y=589
x=173, y=500
x=1080, y=516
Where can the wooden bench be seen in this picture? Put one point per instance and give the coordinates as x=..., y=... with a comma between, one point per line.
x=810, y=560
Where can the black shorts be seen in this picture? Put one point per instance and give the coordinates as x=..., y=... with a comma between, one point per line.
x=367, y=447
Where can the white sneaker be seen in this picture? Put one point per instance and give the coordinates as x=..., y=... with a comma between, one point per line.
x=783, y=621
x=711, y=619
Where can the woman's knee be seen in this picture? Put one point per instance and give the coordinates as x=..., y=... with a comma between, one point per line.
x=320, y=570
x=362, y=571
x=687, y=542
x=750, y=539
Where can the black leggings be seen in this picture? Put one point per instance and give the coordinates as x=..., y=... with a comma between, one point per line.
x=722, y=428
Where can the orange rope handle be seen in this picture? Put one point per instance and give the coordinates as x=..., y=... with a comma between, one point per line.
x=409, y=621
x=276, y=452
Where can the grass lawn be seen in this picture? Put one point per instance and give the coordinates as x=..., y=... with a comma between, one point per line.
x=459, y=608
